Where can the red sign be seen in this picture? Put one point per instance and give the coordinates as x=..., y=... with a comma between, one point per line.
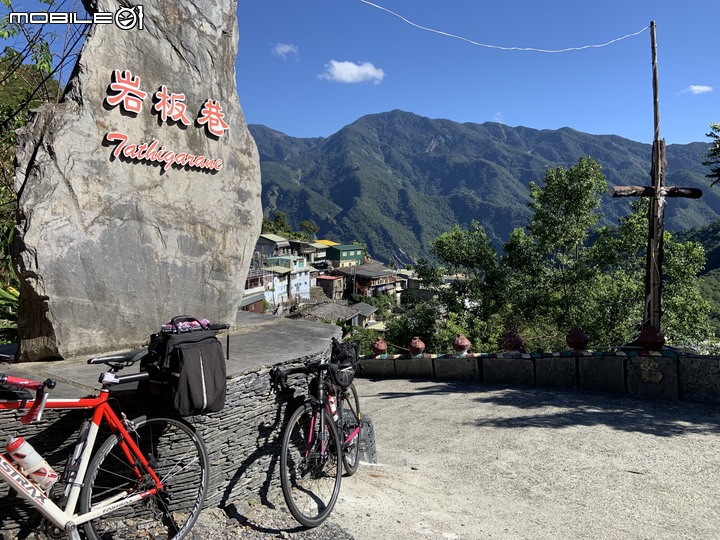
x=150, y=153
x=169, y=106
x=128, y=95
x=212, y=116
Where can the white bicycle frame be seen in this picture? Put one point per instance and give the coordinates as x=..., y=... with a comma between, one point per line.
x=66, y=518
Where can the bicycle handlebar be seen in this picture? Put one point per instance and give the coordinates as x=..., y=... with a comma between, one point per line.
x=41, y=396
x=279, y=375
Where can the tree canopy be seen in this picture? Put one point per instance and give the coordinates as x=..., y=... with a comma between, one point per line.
x=560, y=272
x=33, y=63
x=713, y=154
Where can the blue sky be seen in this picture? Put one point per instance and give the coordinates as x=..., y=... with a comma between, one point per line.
x=309, y=67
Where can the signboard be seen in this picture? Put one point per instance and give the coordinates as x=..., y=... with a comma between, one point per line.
x=125, y=91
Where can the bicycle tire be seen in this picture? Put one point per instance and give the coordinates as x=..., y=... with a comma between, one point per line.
x=350, y=420
x=310, y=481
x=178, y=456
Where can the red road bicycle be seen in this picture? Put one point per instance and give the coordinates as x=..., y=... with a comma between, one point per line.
x=147, y=479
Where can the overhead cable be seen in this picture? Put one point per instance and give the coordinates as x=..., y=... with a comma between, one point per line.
x=498, y=47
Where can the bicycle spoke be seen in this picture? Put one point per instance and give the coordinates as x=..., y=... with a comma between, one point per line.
x=310, y=477
x=350, y=422
x=179, y=459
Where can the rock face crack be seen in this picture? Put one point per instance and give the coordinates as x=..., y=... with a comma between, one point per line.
x=108, y=242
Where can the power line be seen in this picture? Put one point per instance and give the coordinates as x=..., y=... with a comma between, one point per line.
x=498, y=47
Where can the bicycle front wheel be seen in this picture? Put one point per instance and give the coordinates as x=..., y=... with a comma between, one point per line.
x=311, y=465
x=350, y=421
x=177, y=455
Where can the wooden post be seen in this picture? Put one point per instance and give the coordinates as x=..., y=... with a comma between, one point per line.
x=655, y=251
x=657, y=193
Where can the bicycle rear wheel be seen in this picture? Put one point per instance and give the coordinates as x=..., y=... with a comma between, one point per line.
x=350, y=421
x=310, y=465
x=178, y=456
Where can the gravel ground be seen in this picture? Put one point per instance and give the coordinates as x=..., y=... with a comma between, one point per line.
x=260, y=522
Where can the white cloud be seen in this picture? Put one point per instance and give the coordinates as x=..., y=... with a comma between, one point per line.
x=499, y=118
x=348, y=72
x=285, y=50
x=697, y=89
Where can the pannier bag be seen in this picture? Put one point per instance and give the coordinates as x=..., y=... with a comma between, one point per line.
x=186, y=365
x=344, y=360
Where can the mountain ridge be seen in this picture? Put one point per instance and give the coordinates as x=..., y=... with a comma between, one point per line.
x=396, y=180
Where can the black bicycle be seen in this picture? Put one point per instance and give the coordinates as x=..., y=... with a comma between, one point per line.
x=321, y=436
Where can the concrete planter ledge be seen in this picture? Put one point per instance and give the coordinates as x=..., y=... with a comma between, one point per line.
x=665, y=374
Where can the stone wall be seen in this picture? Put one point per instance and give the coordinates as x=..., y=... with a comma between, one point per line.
x=659, y=375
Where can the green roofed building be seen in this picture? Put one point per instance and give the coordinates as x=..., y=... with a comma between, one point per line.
x=345, y=255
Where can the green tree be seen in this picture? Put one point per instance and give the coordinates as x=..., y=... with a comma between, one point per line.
x=562, y=272
x=550, y=274
x=365, y=337
x=420, y=320
x=686, y=311
x=310, y=228
x=37, y=55
x=468, y=255
x=713, y=154
x=32, y=65
x=618, y=291
x=470, y=285
x=278, y=225
x=617, y=294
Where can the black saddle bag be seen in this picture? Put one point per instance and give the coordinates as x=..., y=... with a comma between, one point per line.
x=187, y=366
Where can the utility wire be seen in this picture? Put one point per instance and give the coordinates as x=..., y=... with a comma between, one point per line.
x=498, y=47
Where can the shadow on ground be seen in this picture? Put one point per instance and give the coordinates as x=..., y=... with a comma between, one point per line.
x=561, y=408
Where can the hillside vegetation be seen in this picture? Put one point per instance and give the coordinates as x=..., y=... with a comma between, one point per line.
x=709, y=238
x=396, y=181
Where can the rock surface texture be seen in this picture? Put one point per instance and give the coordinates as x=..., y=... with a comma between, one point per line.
x=139, y=194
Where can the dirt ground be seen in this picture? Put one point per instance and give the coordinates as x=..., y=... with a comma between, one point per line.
x=473, y=461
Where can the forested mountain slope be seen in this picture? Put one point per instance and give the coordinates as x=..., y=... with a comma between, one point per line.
x=395, y=181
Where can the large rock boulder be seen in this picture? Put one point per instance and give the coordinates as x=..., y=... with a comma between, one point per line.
x=139, y=193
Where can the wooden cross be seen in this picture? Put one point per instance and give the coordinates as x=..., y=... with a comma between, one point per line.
x=657, y=193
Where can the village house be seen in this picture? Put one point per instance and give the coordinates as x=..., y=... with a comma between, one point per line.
x=331, y=312
x=372, y=279
x=258, y=281
x=295, y=272
x=366, y=315
x=312, y=251
x=284, y=271
x=344, y=255
x=332, y=286
x=272, y=245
